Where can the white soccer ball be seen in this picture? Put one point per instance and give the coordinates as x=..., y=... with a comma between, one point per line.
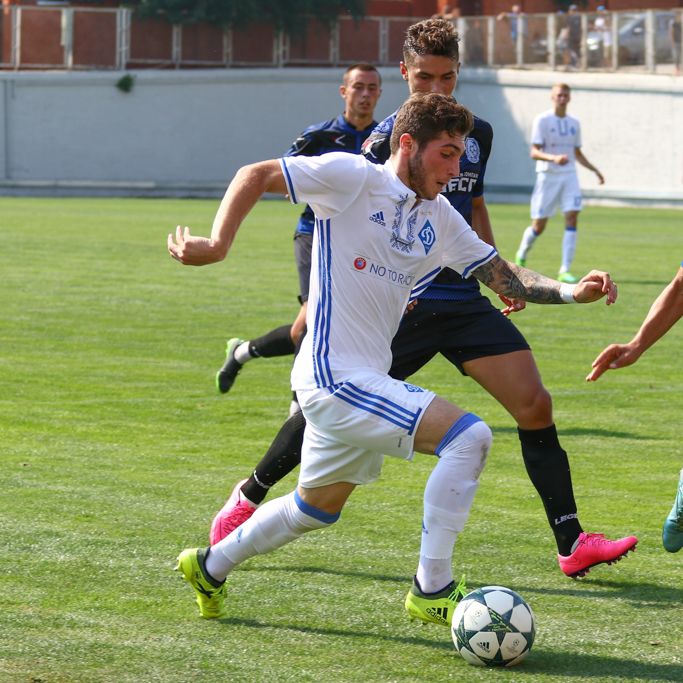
x=493, y=626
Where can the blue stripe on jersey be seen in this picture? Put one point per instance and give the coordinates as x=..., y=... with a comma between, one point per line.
x=288, y=181
x=457, y=428
x=476, y=264
x=323, y=312
x=316, y=513
x=423, y=283
x=379, y=405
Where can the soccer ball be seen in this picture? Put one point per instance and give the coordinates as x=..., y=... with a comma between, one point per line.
x=493, y=626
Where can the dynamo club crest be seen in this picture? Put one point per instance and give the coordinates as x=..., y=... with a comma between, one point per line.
x=427, y=236
x=472, y=150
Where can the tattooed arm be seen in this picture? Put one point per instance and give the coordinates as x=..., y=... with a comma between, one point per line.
x=516, y=282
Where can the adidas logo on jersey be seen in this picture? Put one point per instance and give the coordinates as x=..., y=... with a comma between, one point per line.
x=378, y=218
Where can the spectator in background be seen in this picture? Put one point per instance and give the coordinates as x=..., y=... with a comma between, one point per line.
x=517, y=22
x=603, y=25
x=574, y=35
x=562, y=41
x=475, y=52
x=449, y=12
x=675, y=37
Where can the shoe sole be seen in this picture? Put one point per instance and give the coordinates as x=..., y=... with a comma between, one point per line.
x=581, y=573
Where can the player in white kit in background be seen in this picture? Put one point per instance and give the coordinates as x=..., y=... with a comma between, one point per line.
x=382, y=234
x=556, y=146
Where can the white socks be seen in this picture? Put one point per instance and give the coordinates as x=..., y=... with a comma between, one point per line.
x=242, y=354
x=528, y=238
x=568, y=248
x=274, y=524
x=448, y=497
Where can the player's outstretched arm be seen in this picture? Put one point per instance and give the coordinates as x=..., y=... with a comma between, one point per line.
x=246, y=188
x=666, y=310
x=515, y=282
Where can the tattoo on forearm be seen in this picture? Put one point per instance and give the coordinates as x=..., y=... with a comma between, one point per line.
x=518, y=283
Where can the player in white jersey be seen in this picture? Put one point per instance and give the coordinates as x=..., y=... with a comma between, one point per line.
x=383, y=233
x=556, y=146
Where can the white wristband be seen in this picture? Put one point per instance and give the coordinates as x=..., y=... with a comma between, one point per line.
x=567, y=293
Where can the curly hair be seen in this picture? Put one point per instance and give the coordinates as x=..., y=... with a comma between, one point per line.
x=424, y=116
x=431, y=37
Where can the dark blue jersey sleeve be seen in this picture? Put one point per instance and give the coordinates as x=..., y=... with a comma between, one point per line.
x=334, y=135
x=376, y=148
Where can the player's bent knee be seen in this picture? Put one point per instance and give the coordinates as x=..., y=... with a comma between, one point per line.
x=536, y=411
x=467, y=442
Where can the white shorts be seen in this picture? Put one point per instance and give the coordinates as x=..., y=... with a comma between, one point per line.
x=555, y=189
x=351, y=426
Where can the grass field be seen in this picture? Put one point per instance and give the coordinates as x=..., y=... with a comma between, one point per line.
x=116, y=452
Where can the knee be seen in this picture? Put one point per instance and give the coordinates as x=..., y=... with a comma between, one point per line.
x=482, y=434
x=466, y=446
x=534, y=409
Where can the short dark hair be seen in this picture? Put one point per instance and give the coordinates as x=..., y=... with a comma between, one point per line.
x=431, y=37
x=362, y=66
x=424, y=116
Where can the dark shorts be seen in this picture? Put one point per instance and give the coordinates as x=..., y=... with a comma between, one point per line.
x=303, y=244
x=460, y=331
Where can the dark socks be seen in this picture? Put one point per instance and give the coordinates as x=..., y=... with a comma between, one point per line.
x=281, y=458
x=548, y=468
x=277, y=342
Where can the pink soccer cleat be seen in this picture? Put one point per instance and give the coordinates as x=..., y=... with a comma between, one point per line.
x=233, y=514
x=593, y=549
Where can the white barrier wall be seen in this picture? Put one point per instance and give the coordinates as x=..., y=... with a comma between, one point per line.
x=187, y=132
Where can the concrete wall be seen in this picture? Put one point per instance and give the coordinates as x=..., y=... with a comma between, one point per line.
x=187, y=132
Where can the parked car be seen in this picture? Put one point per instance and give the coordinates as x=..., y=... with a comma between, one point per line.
x=539, y=49
x=631, y=36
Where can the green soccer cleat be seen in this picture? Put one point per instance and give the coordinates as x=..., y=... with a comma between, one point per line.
x=672, y=533
x=567, y=277
x=227, y=375
x=520, y=260
x=435, y=608
x=210, y=594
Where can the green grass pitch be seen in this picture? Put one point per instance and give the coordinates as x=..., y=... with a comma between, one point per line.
x=116, y=451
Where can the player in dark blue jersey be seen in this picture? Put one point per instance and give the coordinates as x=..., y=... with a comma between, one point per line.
x=454, y=319
x=360, y=90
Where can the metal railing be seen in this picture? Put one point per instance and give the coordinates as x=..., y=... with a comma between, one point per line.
x=34, y=37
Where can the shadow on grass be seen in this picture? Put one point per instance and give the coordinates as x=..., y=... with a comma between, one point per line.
x=584, y=431
x=640, y=595
x=441, y=644
x=566, y=664
x=585, y=666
